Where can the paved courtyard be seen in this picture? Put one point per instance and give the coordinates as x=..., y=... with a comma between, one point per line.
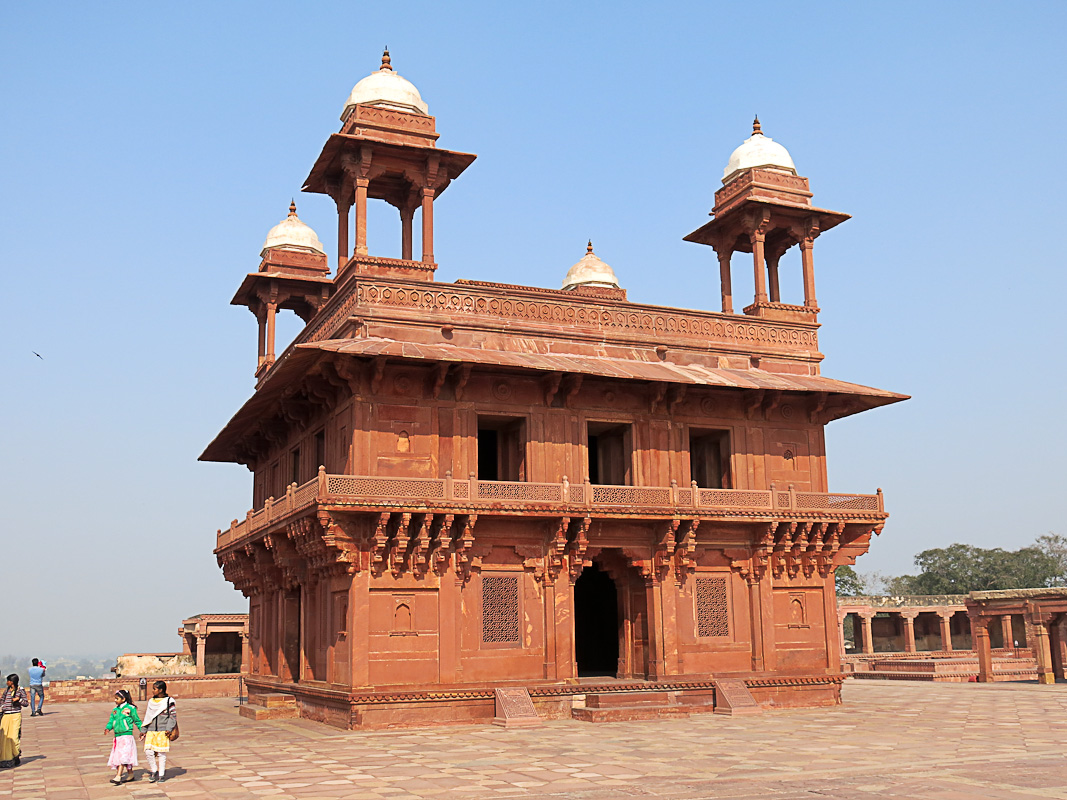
x=889, y=740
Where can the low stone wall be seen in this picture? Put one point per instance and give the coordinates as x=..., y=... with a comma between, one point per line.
x=94, y=690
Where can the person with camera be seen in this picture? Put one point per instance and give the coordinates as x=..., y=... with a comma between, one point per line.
x=37, y=687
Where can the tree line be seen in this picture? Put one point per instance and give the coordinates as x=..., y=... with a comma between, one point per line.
x=963, y=568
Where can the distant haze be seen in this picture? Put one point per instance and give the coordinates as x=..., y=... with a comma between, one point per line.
x=146, y=151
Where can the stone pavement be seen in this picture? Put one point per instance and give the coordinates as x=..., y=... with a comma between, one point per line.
x=889, y=740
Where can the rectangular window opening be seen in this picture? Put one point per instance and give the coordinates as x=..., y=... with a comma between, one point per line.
x=320, y=450
x=610, y=447
x=709, y=458
x=294, y=463
x=501, y=448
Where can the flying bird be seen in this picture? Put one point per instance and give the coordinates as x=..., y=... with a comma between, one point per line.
x=37, y=354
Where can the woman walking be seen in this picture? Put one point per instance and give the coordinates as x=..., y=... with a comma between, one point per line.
x=11, y=704
x=159, y=729
x=124, y=718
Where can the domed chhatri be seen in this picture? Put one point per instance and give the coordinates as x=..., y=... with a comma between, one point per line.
x=758, y=151
x=590, y=271
x=385, y=88
x=292, y=234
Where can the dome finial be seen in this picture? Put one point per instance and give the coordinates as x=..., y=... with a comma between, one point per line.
x=589, y=247
x=387, y=62
x=292, y=207
x=756, y=126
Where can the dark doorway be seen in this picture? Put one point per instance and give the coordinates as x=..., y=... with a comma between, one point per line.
x=291, y=636
x=222, y=652
x=709, y=458
x=596, y=623
x=610, y=454
x=501, y=449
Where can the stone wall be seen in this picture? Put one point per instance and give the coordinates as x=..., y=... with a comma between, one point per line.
x=95, y=690
x=904, y=600
x=156, y=664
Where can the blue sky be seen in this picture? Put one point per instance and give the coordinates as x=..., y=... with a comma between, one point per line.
x=147, y=148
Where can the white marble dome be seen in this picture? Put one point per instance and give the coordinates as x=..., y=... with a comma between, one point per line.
x=385, y=88
x=758, y=151
x=590, y=271
x=292, y=234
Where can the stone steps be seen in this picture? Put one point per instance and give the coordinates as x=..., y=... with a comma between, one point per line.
x=627, y=706
x=270, y=706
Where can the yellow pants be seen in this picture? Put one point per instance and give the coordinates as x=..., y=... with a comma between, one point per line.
x=10, y=737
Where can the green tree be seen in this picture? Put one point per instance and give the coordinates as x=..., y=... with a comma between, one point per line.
x=901, y=584
x=1055, y=546
x=963, y=568
x=848, y=582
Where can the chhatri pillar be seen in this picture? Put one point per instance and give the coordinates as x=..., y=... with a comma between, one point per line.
x=765, y=208
x=386, y=150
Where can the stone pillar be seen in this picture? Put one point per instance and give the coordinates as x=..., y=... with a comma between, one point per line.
x=808, y=266
x=909, y=629
x=261, y=318
x=841, y=617
x=1058, y=645
x=758, y=239
x=201, y=653
x=1043, y=651
x=772, y=276
x=657, y=665
x=246, y=654
x=756, y=614
x=549, y=669
x=272, y=309
x=427, y=225
x=868, y=634
x=980, y=637
x=1007, y=636
x=946, y=630
x=407, y=216
x=450, y=623
x=725, y=282
x=361, y=216
x=359, y=628
x=342, y=233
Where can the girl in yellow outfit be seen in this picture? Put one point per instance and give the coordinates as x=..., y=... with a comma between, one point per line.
x=160, y=726
x=11, y=704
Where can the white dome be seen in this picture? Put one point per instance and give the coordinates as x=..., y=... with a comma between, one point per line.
x=758, y=151
x=387, y=89
x=292, y=234
x=590, y=271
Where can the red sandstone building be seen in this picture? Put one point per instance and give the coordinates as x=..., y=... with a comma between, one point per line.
x=461, y=486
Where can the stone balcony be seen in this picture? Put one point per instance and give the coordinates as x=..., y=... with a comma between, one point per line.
x=374, y=493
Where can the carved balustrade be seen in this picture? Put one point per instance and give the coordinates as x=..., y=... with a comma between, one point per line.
x=577, y=499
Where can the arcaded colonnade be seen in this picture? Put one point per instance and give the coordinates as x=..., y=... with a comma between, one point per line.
x=908, y=624
x=219, y=641
x=1045, y=614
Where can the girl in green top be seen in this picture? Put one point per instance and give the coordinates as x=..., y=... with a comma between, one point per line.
x=124, y=718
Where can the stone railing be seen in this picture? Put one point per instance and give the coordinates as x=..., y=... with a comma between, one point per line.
x=573, y=497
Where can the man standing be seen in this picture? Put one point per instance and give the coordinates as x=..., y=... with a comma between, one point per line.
x=37, y=688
